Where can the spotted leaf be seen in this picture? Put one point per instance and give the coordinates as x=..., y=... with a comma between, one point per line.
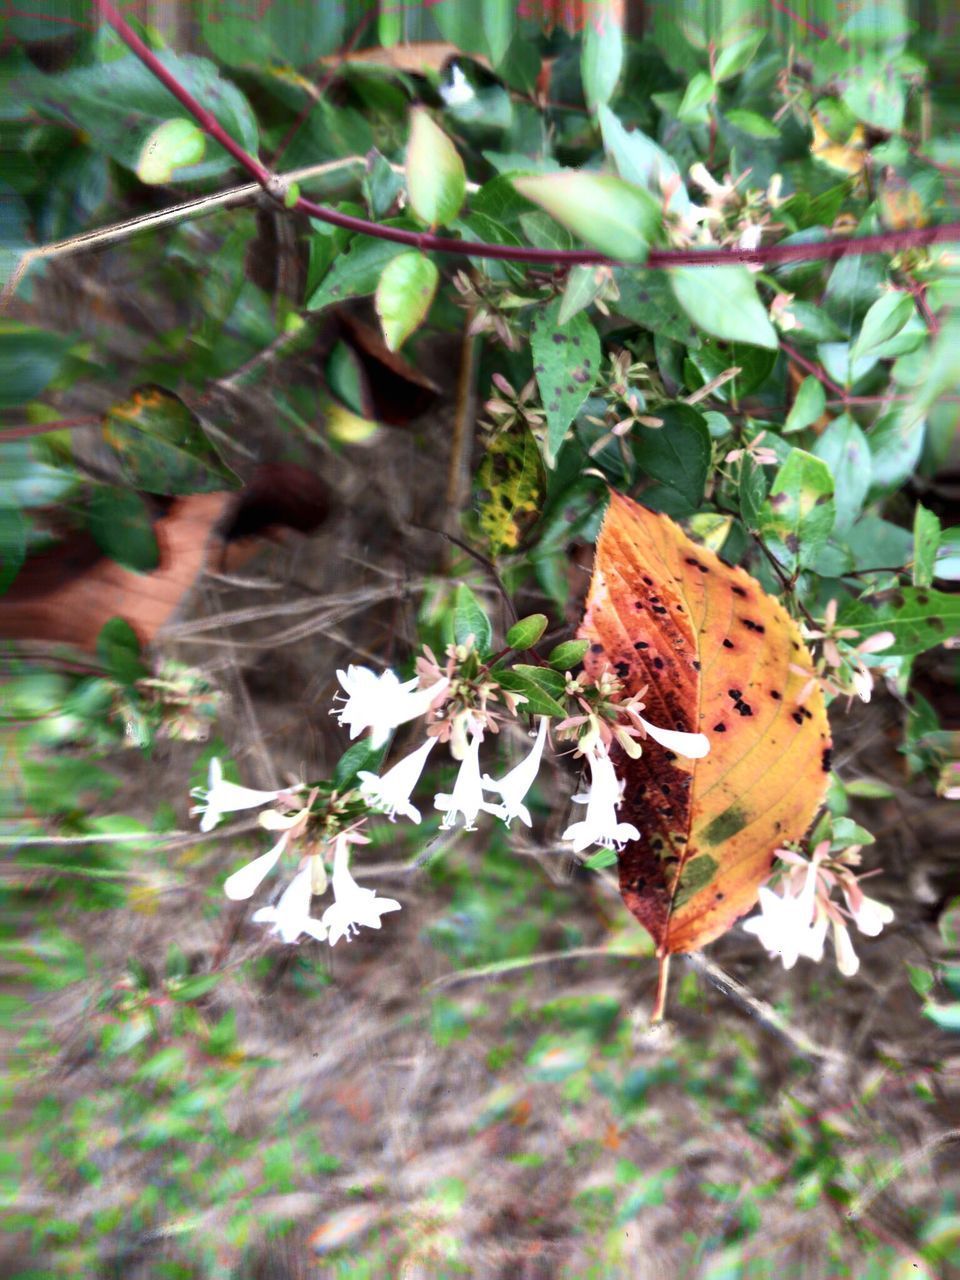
x=721, y=657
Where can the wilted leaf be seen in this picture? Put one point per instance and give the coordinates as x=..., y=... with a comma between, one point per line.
x=436, y=180
x=619, y=219
x=716, y=654
x=566, y=361
x=724, y=301
x=161, y=446
x=404, y=294
x=511, y=477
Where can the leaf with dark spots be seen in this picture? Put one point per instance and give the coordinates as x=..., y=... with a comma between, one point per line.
x=709, y=827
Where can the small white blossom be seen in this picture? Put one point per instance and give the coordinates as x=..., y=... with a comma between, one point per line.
x=789, y=926
x=466, y=799
x=353, y=906
x=599, y=825
x=692, y=745
x=513, y=786
x=222, y=797
x=381, y=702
x=392, y=792
x=459, y=91
x=245, y=882
x=869, y=915
x=291, y=915
x=848, y=962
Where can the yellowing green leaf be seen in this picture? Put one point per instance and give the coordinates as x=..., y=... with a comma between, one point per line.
x=404, y=294
x=172, y=145
x=436, y=180
x=617, y=218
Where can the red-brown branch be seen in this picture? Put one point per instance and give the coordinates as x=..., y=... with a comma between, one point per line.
x=24, y=430
x=770, y=255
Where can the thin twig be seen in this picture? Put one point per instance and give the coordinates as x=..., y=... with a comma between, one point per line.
x=762, y=1011
x=276, y=187
x=25, y=430
x=499, y=967
x=897, y=1168
x=820, y=374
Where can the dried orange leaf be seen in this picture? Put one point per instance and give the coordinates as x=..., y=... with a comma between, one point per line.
x=721, y=657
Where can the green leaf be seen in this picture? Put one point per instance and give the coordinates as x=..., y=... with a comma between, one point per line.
x=13, y=545
x=919, y=617
x=737, y=56
x=714, y=357
x=885, y=318
x=499, y=21
x=946, y=1016
x=647, y=299
x=601, y=56
x=750, y=123
x=358, y=756
x=896, y=443
x=470, y=619
x=678, y=453
x=583, y=285
x=694, y=106
x=724, y=301
x=813, y=322
x=844, y=448
x=541, y=701
x=161, y=446
x=601, y=859
x=618, y=219
x=642, y=161
x=282, y=34
x=926, y=543
x=120, y=104
x=525, y=633
x=875, y=94
x=29, y=361
x=174, y=144
x=568, y=654
x=566, y=361
x=809, y=404
x=404, y=295
x=798, y=516
x=26, y=481
x=119, y=522
x=436, y=179
x=752, y=493
x=356, y=272
x=119, y=650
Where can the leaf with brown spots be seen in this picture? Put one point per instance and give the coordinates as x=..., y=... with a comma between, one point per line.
x=721, y=657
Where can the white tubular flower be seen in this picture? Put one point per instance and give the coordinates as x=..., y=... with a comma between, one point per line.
x=599, y=825
x=245, y=882
x=848, y=962
x=869, y=915
x=353, y=906
x=513, y=786
x=392, y=792
x=692, y=745
x=786, y=926
x=466, y=799
x=222, y=797
x=458, y=91
x=381, y=702
x=291, y=915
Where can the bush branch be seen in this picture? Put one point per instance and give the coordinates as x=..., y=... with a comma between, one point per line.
x=826, y=250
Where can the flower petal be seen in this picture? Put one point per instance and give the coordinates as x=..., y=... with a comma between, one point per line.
x=692, y=745
x=245, y=882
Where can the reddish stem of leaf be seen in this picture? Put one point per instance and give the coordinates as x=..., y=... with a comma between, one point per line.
x=25, y=430
x=814, y=28
x=825, y=250
x=660, y=999
x=820, y=374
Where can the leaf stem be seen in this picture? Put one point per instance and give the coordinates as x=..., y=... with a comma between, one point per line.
x=276, y=187
x=660, y=999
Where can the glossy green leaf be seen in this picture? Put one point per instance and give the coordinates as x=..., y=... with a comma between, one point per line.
x=470, y=619
x=29, y=361
x=601, y=56
x=161, y=446
x=119, y=650
x=404, y=294
x=539, y=701
x=436, y=180
x=526, y=632
x=699, y=93
x=919, y=618
x=358, y=756
x=736, y=57
x=678, y=453
x=724, y=301
x=120, y=524
x=566, y=361
x=355, y=272
x=885, y=318
x=568, y=654
x=13, y=545
x=584, y=283
x=499, y=23
x=642, y=161
x=118, y=107
x=875, y=94
x=926, y=544
x=808, y=406
x=618, y=219
x=844, y=448
x=749, y=122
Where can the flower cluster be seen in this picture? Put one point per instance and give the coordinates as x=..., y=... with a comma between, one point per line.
x=840, y=667
x=794, y=921
x=459, y=702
